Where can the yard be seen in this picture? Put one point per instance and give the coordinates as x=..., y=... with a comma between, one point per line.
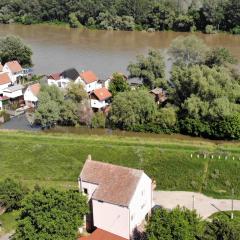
x=187, y=164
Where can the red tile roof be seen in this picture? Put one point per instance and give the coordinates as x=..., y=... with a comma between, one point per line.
x=55, y=76
x=100, y=234
x=35, y=89
x=116, y=184
x=14, y=66
x=4, y=79
x=88, y=77
x=102, y=94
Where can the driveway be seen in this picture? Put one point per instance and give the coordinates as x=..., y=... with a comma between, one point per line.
x=205, y=206
x=5, y=237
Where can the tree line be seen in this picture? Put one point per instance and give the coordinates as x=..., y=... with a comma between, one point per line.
x=151, y=15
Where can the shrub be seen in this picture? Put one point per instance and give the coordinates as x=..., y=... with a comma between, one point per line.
x=210, y=29
x=5, y=116
x=98, y=120
x=236, y=30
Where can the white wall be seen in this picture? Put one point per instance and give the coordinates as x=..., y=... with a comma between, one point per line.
x=91, y=86
x=98, y=104
x=111, y=218
x=141, y=203
x=12, y=76
x=89, y=186
x=29, y=96
x=3, y=86
x=14, y=94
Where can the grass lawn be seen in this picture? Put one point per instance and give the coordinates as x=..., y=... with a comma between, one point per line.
x=236, y=215
x=9, y=222
x=55, y=160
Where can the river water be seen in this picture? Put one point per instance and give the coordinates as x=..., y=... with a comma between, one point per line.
x=57, y=47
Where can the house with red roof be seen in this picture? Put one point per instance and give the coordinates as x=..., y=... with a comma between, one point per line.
x=14, y=70
x=120, y=199
x=89, y=81
x=5, y=81
x=31, y=95
x=100, y=98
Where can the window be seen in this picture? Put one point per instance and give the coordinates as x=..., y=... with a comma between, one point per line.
x=85, y=190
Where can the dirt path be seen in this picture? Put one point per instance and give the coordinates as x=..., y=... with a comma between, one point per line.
x=205, y=206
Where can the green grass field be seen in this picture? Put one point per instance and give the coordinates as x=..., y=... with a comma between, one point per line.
x=55, y=160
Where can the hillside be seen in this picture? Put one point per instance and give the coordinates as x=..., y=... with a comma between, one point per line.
x=56, y=160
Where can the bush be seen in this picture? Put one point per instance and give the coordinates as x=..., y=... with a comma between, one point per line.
x=98, y=120
x=5, y=116
x=11, y=194
x=236, y=30
x=210, y=29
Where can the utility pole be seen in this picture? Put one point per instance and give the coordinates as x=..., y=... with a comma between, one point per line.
x=232, y=216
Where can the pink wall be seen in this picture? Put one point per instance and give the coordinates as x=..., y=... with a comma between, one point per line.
x=111, y=218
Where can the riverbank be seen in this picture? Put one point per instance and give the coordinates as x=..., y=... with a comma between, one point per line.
x=55, y=160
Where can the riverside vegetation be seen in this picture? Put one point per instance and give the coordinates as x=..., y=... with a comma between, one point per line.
x=204, y=15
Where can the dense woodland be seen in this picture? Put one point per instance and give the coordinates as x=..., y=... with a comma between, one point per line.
x=189, y=15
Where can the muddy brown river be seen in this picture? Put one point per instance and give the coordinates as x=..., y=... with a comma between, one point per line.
x=57, y=47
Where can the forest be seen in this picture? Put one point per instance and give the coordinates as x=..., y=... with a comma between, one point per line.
x=208, y=16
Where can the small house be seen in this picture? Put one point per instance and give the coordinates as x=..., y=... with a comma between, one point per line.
x=13, y=92
x=31, y=95
x=5, y=82
x=100, y=98
x=119, y=197
x=159, y=94
x=62, y=79
x=90, y=81
x=14, y=70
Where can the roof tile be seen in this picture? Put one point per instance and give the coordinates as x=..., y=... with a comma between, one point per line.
x=4, y=79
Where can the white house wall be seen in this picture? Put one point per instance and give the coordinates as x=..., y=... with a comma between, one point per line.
x=111, y=218
x=14, y=94
x=141, y=202
x=4, y=86
x=89, y=186
x=29, y=96
x=98, y=104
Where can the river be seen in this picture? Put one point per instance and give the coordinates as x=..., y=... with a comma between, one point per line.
x=58, y=47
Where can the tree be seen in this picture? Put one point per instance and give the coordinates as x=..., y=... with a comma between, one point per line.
x=222, y=228
x=76, y=92
x=118, y=84
x=12, y=48
x=131, y=109
x=150, y=69
x=73, y=21
x=178, y=224
x=98, y=120
x=51, y=214
x=11, y=194
x=188, y=50
x=84, y=113
x=219, y=56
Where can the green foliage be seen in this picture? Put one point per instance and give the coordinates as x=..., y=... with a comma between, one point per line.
x=236, y=30
x=76, y=92
x=178, y=224
x=209, y=29
x=118, y=84
x=219, y=56
x=188, y=50
x=51, y=214
x=12, y=48
x=73, y=21
x=151, y=69
x=11, y=194
x=98, y=120
x=133, y=108
x=5, y=115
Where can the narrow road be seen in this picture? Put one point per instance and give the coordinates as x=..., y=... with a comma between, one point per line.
x=205, y=206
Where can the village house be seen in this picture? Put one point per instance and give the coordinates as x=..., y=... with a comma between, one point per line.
x=31, y=95
x=100, y=98
x=14, y=70
x=90, y=81
x=5, y=82
x=62, y=79
x=159, y=94
x=120, y=198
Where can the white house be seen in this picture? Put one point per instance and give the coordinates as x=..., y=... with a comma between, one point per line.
x=14, y=70
x=13, y=92
x=89, y=81
x=31, y=95
x=120, y=197
x=100, y=98
x=5, y=82
x=62, y=79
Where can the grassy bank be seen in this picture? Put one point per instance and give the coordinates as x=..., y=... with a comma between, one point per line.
x=55, y=160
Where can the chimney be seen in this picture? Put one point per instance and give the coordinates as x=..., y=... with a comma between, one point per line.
x=89, y=157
